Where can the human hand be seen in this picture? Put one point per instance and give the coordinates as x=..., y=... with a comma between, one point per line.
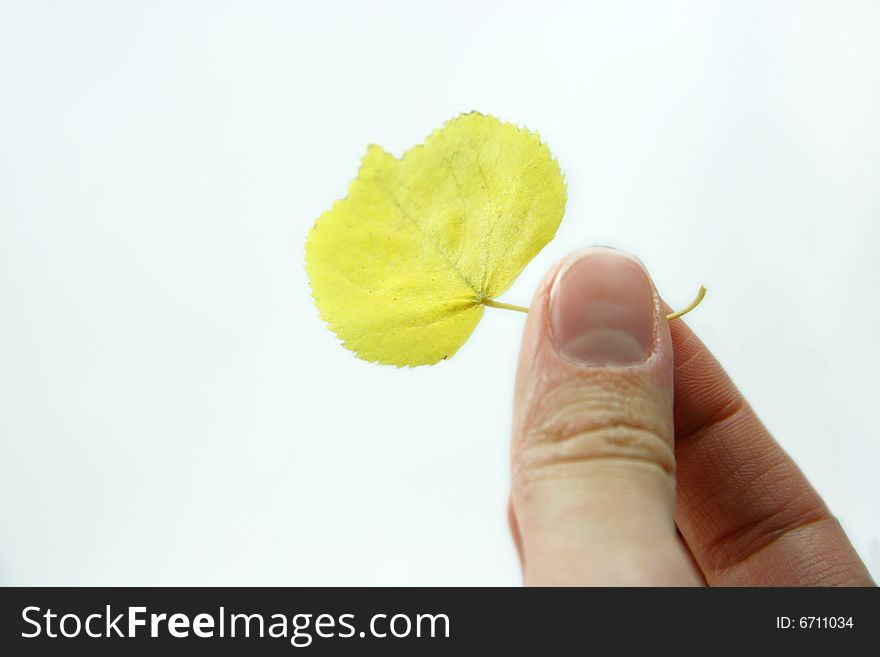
x=596, y=471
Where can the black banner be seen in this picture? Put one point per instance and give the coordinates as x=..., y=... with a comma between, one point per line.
x=256, y=621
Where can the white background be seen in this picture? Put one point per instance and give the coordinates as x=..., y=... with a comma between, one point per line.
x=172, y=411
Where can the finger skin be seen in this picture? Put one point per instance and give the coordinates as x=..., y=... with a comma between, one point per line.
x=592, y=480
x=747, y=513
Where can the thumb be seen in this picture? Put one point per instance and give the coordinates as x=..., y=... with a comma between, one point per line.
x=593, y=460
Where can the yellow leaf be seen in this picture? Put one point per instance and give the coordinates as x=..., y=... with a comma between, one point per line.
x=401, y=267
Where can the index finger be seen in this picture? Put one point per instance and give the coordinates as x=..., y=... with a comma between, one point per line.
x=744, y=508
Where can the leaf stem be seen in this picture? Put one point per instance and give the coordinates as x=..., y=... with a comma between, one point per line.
x=693, y=304
x=679, y=313
x=504, y=306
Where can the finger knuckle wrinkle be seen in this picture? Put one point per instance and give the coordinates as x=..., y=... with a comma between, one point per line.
x=760, y=532
x=569, y=438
